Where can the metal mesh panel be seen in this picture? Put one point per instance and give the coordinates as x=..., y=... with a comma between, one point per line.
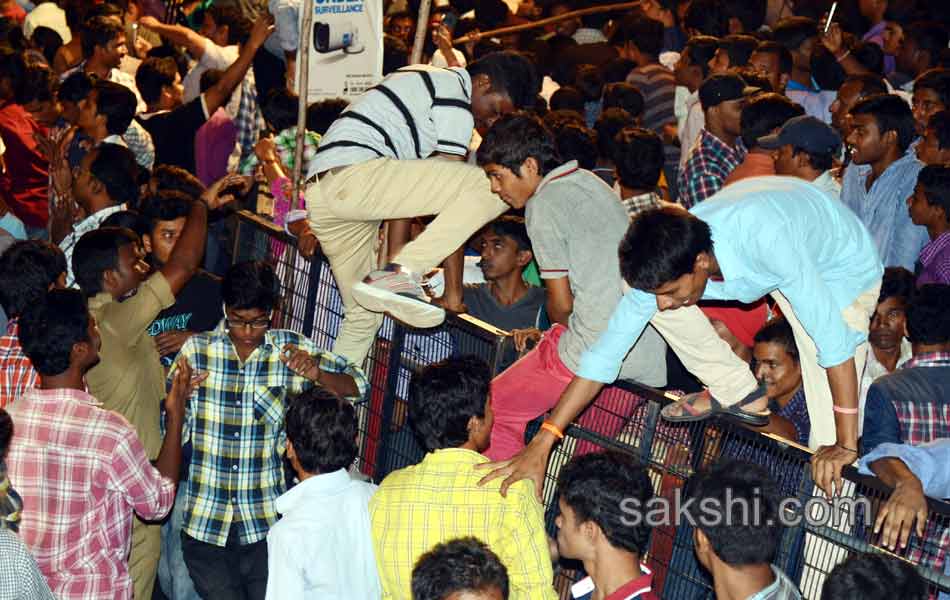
x=624, y=417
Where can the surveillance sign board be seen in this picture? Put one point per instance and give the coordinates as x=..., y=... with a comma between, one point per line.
x=346, y=48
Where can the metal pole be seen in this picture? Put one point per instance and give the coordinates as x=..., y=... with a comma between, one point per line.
x=303, y=66
x=422, y=26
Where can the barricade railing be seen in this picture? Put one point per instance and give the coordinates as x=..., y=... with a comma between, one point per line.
x=625, y=417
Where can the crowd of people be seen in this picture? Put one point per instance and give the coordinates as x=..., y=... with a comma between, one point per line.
x=746, y=202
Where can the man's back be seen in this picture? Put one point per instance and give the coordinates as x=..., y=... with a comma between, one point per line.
x=81, y=472
x=576, y=223
x=16, y=371
x=911, y=405
x=437, y=500
x=411, y=114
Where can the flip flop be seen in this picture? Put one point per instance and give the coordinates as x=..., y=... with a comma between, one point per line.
x=691, y=414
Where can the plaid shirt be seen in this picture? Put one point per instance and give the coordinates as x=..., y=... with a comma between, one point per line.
x=235, y=421
x=709, y=163
x=248, y=121
x=438, y=500
x=637, y=204
x=286, y=143
x=923, y=420
x=933, y=266
x=16, y=371
x=82, y=472
x=20, y=578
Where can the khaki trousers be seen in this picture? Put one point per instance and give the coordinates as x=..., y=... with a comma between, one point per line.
x=346, y=208
x=143, y=560
x=729, y=379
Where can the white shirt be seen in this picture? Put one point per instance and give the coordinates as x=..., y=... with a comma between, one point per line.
x=322, y=547
x=874, y=369
x=439, y=60
x=692, y=125
x=88, y=224
x=828, y=184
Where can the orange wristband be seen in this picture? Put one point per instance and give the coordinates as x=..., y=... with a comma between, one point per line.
x=554, y=429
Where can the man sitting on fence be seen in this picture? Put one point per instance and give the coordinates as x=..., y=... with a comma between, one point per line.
x=506, y=300
x=440, y=499
x=597, y=526
x=235, y=422
x=576, y=247
x=912, y=404
x=364, y=174
x=738, y=532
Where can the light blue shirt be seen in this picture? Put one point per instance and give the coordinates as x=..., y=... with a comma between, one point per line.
x=322, y=547
x=930, y=462
x=286, y=36
x=769, y=233
x=883, y=209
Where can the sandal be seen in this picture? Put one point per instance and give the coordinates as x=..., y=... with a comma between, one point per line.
x=690, y=414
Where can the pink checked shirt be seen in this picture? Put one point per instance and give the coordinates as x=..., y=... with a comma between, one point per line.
x=81, y=471
x=16, y=371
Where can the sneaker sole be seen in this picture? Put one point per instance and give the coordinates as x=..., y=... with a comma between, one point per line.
x=415, y=313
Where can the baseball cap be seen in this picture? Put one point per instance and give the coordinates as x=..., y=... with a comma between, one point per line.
x=723, y=88
x=806, y=133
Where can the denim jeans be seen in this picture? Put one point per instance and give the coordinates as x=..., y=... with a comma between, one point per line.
x=235, y=572
x=173, y=575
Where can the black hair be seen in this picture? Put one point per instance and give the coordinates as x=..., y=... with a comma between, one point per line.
x=616, y=70
x=12, y=67
x=117, y=104
x=897, y=282
x=511, y=74
x=739, y=47
x=576, y=143
x=485, y=47
x=395, y=54
x=514, y=139
x=928, y=320
x=444, y=396
x=98, y=31
x=785, y=60
x=27, y=270
x=115, y=167
x=165, y=205
x=322, y=114
x=37, y=86
x=870, y=55
x=589, y=83
x=322, y=427
x=638, y=157
x=512, y=227
x=50, y=328
x=567, y=97
x=96, y=252
x=280, y=109
x=792, y=32
x=707, y=17
x=871, y=84
x=459, y=565
x=152, y=75
x=778, y=331
x=557, y=118
x=645, y=33
x=874, y=577
x=601, y=487
x=890, y=113
x=700, y=49
x=6, y=433
x=239, y=26
x=937, y=80
x=176, y=179
x=608, y=125
x=751, y=13
x=76, y=87
x=940, y=123
x=672, y=239
x=826, y=70
x=176, y=54
x=763, y=113
x=626, y=96
x=103, y=9
x=750, y=532
x=209, y=79
x=128, y=219
x=250, y=284
x=929, y=36
x=935, y=180
x=819, y=161
x=752, y=78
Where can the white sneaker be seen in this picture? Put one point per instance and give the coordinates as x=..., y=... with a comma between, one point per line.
x=401, y=296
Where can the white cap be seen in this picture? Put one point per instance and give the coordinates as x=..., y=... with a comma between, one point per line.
x=47, y=15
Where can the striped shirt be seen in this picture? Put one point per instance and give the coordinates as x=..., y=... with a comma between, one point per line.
x=412, y=113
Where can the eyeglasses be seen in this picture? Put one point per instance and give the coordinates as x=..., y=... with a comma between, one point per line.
x=261, y=323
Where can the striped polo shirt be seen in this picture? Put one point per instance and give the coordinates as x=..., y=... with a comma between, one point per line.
x=412, y=113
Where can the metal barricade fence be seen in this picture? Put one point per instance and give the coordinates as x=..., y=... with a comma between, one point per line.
x=624, y=417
